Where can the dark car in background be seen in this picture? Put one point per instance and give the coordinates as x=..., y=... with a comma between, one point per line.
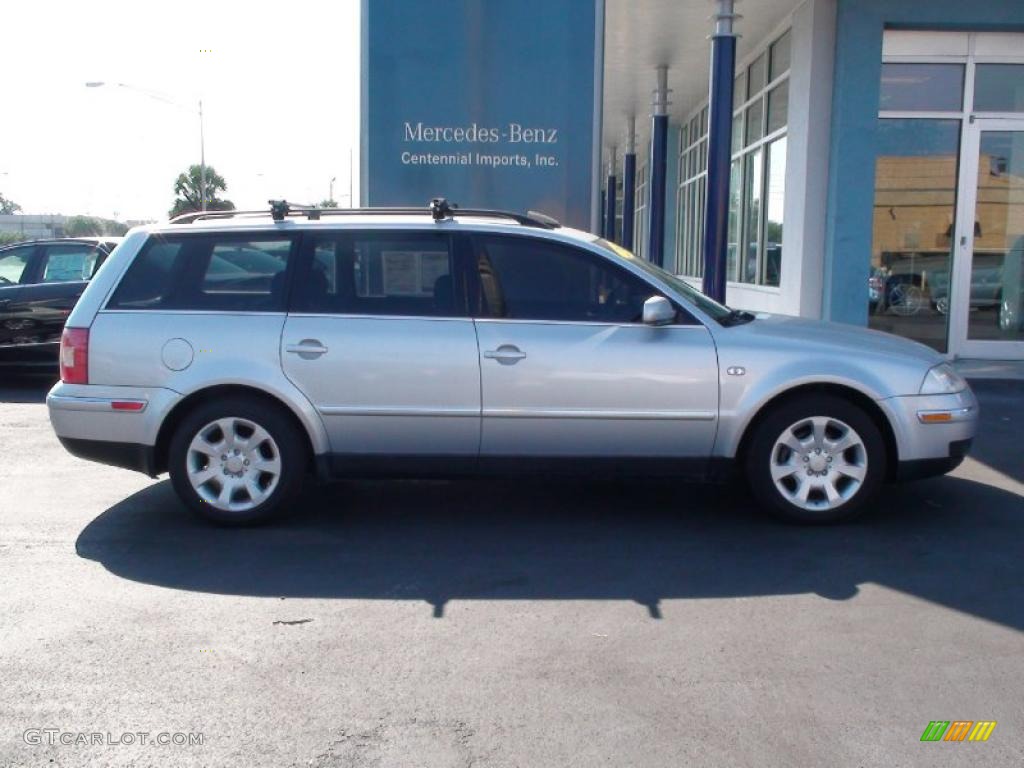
x=40, y=281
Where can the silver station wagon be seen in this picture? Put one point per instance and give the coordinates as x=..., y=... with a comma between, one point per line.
x=245, y=352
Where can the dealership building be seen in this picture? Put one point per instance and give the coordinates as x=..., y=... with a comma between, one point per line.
x=860, y=161
x=875, y=158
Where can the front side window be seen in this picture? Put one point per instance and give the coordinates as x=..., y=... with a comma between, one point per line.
x=68, y=263
x=709, y=306
x=13, y=264
x=378, y=273
x=524, y=278
x=221, y=272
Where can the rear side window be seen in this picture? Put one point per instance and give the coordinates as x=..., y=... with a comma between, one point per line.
x=68, y=263
x=377, y=273
x=227, y=272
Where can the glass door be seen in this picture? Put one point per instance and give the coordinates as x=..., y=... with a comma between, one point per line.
x=987, y=301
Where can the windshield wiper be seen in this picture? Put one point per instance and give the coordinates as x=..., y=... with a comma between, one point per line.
x=737, y=317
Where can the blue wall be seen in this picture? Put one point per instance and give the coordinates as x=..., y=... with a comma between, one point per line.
x=856, y=83
x=503, y=93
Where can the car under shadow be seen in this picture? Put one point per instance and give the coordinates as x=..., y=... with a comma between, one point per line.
x=540, y=540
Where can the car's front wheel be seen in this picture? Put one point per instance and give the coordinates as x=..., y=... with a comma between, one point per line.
x=237, y=461
x=816, y=459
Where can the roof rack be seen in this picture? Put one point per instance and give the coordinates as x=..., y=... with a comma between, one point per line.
x=439, y=209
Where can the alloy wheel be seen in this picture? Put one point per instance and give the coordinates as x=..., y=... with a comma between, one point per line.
x=819, y=463
x=233, y=464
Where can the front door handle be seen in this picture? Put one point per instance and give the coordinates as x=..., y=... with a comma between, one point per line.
x=506, y=354
x=307, y=349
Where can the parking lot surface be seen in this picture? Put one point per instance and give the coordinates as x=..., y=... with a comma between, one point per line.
x=506, y=622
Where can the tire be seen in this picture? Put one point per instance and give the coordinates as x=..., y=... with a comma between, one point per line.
x=237, y=461
x=787, y=444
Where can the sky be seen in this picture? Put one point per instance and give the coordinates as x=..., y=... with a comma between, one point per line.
x=279, y=84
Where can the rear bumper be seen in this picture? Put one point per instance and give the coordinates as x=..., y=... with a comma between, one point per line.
x=141, y=458
x=90, y=424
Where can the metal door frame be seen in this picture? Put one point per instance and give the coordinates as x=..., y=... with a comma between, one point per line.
x=960, y=284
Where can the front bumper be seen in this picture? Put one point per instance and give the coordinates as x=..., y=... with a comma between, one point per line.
x=928, y=446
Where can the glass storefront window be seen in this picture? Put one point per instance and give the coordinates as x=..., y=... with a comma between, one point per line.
x=779, y=55
x=999, y=88
x=751, y=215
x=739, y=90
x=735, y=177
x=997, y=265
x=775, y=203
x=922, y=87
x=908, y=288
x=754, y=112
x=755, y=76
x=778, y=106
x=753, y=255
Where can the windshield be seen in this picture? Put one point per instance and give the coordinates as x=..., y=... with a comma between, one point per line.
x=710, y=307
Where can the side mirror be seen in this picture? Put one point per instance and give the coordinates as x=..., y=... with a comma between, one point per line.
x=658, y=311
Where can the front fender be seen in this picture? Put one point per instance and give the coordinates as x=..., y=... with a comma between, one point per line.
x=744, y=396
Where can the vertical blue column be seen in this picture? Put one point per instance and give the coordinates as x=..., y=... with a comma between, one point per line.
x=609, y=213
x=656, y=182
x=716, y=206
x=628, y=199
x=604, y=223
x=629, y=185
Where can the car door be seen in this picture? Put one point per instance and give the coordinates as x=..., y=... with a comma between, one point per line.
x=63, y=271
x=569, y=370
x=17, y=269
x=378, y=339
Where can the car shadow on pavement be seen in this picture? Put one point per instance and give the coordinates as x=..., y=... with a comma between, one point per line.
x=17, y=387
x=999, y=430
x=949, y=540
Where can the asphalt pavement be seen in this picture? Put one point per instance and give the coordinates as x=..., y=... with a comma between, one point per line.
x=506, y=622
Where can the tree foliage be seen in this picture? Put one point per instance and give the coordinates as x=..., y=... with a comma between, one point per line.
x=328, y=203
x=91, y=226
x=188, y=196
x=6, y=238
x=7, y=207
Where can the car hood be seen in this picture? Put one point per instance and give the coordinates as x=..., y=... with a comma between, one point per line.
x=840, y=335
x=783, y=351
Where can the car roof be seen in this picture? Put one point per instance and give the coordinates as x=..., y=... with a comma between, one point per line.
x=48, y=240
x=369, y=220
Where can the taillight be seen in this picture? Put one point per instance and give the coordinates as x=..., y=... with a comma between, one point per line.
x=74, y=356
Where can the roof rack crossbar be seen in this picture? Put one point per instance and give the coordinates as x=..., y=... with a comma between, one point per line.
x=439, y=209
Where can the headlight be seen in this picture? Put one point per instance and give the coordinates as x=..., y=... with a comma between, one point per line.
x=942, y=380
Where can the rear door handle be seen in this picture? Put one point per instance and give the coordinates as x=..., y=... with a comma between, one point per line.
x=307, y=349
x=506, y=354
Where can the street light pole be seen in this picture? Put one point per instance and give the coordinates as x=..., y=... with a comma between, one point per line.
x=165, y=100
x=202, y=160
x=330, y=195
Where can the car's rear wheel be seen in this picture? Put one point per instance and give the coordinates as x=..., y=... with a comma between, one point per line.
x=237, y=461
x=816, y=459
